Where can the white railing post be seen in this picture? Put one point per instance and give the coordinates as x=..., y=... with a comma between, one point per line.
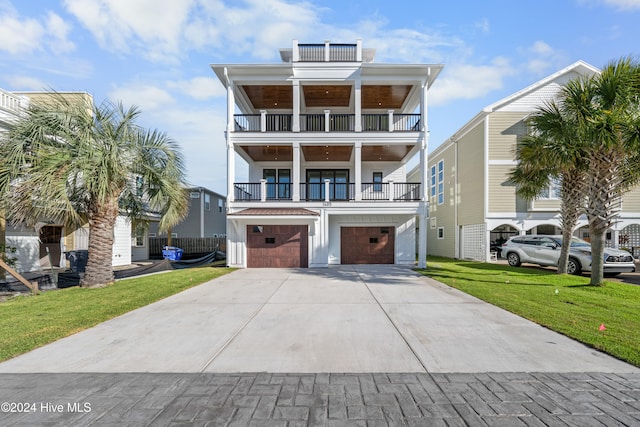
x=390, y=120
x=263, y=190
x=263, y=120
x=327, y=51
x=359, y=50
x=295, y=57
x=326, y=190
x=327, y=114
x=390, y=190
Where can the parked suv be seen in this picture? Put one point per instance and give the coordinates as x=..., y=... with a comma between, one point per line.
x=545, y=251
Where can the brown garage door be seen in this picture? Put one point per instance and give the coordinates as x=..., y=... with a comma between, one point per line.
x=367, y=245
x=277, y=246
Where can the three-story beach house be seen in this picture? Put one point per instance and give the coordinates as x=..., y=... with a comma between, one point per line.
x=326, y=135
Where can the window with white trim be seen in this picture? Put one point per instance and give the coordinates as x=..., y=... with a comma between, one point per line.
x=552, y=191
x=433, y=181
x=441, y=182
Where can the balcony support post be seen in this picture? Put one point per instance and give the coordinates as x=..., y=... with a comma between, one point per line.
x=390, y=112
x=295, y=191
x=327, y=125
x=263, y=120
x=359, y=50
x=423, y=219
x=327, y=51
x=358, y=169
x=391, y=191
x=263, y=190
x=295, y=126
x=326, y=190
x=231, y=172
x=358, y=105
x=295, y=57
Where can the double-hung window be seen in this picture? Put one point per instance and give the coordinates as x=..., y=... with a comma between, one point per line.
x=441, y=182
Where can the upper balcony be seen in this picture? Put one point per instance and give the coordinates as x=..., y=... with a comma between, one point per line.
x=11, y=103
x=326, y=122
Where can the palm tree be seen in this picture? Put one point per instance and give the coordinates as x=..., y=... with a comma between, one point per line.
x=77, y=162
x=593, y=137
x=611, y=149
x=548, y=154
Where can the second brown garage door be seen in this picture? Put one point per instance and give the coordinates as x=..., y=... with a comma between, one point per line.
x=277, y=246
x=367, y=245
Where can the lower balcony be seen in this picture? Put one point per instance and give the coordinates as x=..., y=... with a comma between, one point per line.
x=328, y=191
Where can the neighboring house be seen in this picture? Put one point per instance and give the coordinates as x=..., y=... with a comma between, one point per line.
x=207, y=216
x=326, y=135
x=32, y=243
x=474, y=206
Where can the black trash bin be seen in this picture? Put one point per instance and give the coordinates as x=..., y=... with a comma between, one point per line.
x=78, y=260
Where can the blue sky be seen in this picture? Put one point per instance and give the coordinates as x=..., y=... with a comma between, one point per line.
x=156, y=53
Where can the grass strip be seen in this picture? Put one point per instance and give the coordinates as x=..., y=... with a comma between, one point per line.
x=31, y=321
x=563, y=303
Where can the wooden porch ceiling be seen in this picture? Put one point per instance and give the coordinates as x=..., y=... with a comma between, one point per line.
x=385, y=153
x=327, y=96
x=327, y=153
x=335, y=153
x=264, y=153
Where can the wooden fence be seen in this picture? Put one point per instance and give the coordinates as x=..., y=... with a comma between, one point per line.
x=189, y=245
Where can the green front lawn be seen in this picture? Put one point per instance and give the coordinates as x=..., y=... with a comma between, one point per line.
x=566, y=304
x=28, y=322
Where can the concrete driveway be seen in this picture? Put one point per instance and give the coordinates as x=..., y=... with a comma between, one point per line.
x=339, y=319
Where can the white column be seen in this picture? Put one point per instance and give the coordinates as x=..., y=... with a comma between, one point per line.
x=263, y=120
x=391, y=189
x=295, y=57
x=390, y=112
x=231, y=169
x=263, y=190
x=231, y=102
x=358, y=169
x=326, y=190
x=295, y=191
x=423, y=219
x=231, y=159
x=327, y=114
x=424, y=159
x=359, y=50
x=358, y=105
x=327, y=47
x=296, y=106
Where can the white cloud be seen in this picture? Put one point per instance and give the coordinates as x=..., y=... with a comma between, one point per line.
x=540, y=58
x=25, y=83
x=147, y=97
x=153, y=27
x=467, y=81
x=25, y=35
x=18, y=35
x=199, y=87
x=624, y=4
x=58, y=30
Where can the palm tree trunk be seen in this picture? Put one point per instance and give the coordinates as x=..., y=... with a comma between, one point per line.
x=597, y=234
x=571, y=207
x=3, y=239
x=102, y=221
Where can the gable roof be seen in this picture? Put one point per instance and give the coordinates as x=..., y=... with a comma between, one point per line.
x=579, y=67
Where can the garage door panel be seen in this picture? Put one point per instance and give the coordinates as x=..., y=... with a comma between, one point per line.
x=277, y=246
x=367, y=245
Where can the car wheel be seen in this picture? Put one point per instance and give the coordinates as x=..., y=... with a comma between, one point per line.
x=513, y=259
x=574, y=267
